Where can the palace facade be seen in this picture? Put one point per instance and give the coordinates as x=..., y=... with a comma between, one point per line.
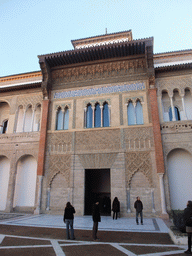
x=108, y=118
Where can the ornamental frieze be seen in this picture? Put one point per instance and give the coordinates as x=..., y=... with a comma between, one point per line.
x=80, y=73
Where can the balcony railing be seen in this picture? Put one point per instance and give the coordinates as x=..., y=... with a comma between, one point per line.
x=176, y=126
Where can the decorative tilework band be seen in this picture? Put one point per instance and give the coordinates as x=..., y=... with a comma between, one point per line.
x=99, y=90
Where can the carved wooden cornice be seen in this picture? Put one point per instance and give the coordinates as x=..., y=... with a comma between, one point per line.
x=99, y=69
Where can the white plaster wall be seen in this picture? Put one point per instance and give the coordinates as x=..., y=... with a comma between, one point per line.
x=180, y=178
x=4, y=180
x=25, y=182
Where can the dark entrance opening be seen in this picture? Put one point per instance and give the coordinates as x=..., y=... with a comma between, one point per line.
x=97, y=187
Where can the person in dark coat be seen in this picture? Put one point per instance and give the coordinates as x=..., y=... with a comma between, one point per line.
x=96, y=219
x=68, y=219
x=115, y=207
x=138, y=205
x=188, y=223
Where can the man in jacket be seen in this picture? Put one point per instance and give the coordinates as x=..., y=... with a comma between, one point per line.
x=138, y=205
x=188, y=223
x=96, y=218
x=68, y=219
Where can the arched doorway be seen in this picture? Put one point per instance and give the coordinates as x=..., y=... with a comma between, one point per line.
x=97, y=187
x=25, y=185
x=180, y=177
x=4, y=181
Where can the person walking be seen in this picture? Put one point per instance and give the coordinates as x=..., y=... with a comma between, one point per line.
x=68, y=219
x=115, y=207
x=138, y=205
x=188, y=223
x=96, y=219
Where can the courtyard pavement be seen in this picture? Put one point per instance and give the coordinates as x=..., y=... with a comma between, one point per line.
x=25, y=234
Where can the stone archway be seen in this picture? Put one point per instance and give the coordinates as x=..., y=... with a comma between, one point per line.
x=4, y=181
x=25, y=185
x=179, y=162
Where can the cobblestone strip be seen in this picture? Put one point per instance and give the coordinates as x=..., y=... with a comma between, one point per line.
x=57, y=248
x=120, y=248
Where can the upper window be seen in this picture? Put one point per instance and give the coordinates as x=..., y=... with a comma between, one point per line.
x=135, y=113
x=62, y=122
x=100, y=114
x=4, y=116
x=97, y=122
x=3, y=127
x=105, y=115
x=131, y=113
x=89, y=116
x=139, y=113
x=177, y=114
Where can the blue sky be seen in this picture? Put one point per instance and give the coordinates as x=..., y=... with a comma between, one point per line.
x=33, y=27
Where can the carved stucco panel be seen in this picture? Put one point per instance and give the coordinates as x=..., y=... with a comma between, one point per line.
x=98, y=140
x=169, y=84
x=59, y=164
x=97, y=161
x=138, y=161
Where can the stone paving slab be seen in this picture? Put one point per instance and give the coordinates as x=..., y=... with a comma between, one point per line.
x=86, y=223
x=39, y=235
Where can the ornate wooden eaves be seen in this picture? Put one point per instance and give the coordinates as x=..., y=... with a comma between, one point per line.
x=46, y=81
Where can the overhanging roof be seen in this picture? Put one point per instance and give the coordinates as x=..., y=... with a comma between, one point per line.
x=103, y=52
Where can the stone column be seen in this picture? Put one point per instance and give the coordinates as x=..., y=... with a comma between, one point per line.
x=172, y=109
x=48, y=199
x=152, y=199
x=32, y=120
x=109, y=108
x=85, y=117
x=23, y=120
x=101, y=107
x=162, y=191
x=134, y=105
x=128, y=200
x=38, y=196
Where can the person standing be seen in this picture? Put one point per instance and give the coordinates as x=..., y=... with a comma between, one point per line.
x=68, y=219
x=188, y=224
x=96, y=219
x=138, y=205
x=115, y=207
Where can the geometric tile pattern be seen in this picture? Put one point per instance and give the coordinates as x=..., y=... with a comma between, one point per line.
x=99, y=90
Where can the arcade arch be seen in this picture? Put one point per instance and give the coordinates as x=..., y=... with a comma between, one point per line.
x=4, y=116
x=4, y=181
x=25, y=185
x=179, y=162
